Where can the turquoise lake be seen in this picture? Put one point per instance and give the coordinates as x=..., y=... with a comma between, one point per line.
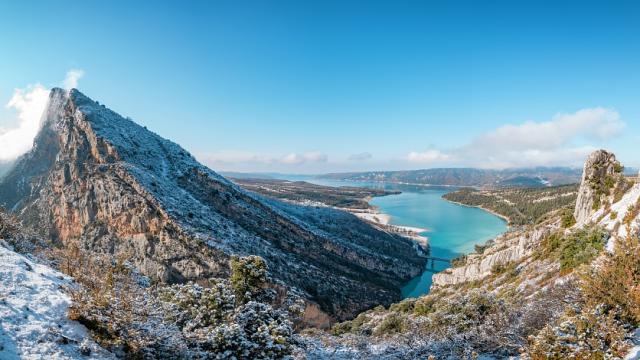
x=452, y=229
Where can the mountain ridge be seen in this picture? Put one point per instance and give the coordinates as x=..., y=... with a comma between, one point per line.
x=471, y=177
x=97, y=180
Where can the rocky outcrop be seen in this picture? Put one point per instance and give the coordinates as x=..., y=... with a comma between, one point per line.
x=101, y=182
x=600, y=174
x=508, y=248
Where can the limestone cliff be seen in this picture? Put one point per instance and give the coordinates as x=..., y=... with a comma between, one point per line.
x=599, y=176
x=100, y=181
x=508, y=248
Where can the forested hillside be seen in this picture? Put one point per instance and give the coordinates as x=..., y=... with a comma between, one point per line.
x=520, y=206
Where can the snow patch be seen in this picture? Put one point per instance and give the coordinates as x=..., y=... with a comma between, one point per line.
x=33, y=313
x=602, y=216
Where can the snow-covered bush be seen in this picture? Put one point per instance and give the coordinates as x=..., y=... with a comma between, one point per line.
x=598, y=326
x=248, y=277
x=133, y=319
x=118, y=306
x=194, y=307
x=255, y=331
x=237, y=318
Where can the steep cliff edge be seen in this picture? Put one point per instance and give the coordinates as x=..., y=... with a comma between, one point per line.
x=101, y=182
x=601, y=174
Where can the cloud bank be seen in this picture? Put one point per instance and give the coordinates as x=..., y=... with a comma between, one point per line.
x=28, y=105
x=235, y=157
x=563, y=140
x=428, y=156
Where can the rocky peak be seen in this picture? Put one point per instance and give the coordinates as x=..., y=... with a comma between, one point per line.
x=600, y=176
x=98, y=180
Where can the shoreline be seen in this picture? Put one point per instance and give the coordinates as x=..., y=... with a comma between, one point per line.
x=503, y=217
x=376, y=217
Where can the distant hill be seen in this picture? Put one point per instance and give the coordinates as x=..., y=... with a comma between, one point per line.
x=484, y=178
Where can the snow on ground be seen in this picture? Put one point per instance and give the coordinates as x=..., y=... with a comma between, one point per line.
x=620, y=209
x=634, y=352
x=33, y=313
x=377, y=218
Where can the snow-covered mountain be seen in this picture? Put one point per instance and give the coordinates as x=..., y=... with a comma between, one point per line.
x=101, y=181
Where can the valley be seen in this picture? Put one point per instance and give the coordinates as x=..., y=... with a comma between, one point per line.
x=319, y=180
x=450, y=230
x=286, y=268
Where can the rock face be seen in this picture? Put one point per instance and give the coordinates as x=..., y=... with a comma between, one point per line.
x=101, y=182
x=511, y=247
x=598, y=178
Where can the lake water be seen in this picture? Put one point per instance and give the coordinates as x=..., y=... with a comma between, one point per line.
x=452, y=229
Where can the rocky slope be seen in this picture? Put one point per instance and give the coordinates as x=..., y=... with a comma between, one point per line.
x=509, y=248
x=99, y=181
x=558, y=289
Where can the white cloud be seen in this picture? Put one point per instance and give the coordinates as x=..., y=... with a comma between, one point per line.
x=566, y=139
x=592, y=124
x=308, y=157
x=235, y=157
x=71, y=80
x=28, y=104
x=360, y=156
x=428, y=156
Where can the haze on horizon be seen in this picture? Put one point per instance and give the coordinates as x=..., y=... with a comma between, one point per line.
x=297, y=87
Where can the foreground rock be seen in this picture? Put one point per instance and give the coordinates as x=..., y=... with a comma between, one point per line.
x=101, y=182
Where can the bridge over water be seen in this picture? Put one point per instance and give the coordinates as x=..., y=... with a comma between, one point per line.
x=431, y=262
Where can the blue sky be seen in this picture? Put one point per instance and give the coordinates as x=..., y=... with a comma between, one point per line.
x=322, y=86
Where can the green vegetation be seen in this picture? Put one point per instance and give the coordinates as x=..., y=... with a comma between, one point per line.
x=596, y=326
x=248, y=277
x=393, y=323
x=573, y=249
x=510, y=269
x=605, y=185
x=632, y=212
x=616, y=286
x=567, y=219
x=520, y=206
x=459, y=260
